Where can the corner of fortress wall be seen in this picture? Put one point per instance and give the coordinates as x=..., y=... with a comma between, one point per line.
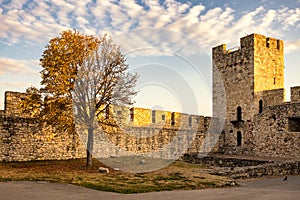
x=23, y=139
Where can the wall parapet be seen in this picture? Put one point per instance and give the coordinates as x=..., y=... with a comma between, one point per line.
x=295, y=94
x=273, y=97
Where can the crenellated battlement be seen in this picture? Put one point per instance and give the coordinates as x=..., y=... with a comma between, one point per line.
x=136, y=117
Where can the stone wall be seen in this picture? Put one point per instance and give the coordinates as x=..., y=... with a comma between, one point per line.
x=245, y=168
x=170, y=134
x=153, y=142
x=273, y=97
x=12, y=103
x=257, y=121
x=21, y=139
x=295, y=94
x=268, y=63
x=256, y=66
x=237, y=78
x=218, y=161
x=271, y=135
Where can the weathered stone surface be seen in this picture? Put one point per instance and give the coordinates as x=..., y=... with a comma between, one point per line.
x=22, y=139
x=295, y=94
x=257, y=120
x=104, y=170
x=245, y=168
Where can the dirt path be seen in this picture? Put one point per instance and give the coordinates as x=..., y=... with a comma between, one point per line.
x=266, y=188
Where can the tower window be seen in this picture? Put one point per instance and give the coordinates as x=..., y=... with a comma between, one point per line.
x=274, y=81
x=278, y=44
x=268, y=42
x=190, y=120
x=131, y=114
x=163, y=117
x=173, y=119
x=260, y=106
x=153, y=116
x=239, y=139
x=239, y=113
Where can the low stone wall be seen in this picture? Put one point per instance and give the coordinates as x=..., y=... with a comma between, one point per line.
x=220, y=161
x=267, y=169
x=244, y=168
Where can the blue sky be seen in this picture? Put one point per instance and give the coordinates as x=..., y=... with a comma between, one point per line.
x=167, y=42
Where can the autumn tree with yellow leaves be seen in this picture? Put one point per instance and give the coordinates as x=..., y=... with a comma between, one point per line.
x=84, y=74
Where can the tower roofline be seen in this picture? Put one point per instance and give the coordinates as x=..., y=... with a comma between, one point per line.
x=244, y=43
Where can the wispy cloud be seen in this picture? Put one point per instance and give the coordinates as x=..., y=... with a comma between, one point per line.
x=12, y=66
x=38, y=21
x=291, y=46
x=12, y=86
x=17, y=75
x=16, y=85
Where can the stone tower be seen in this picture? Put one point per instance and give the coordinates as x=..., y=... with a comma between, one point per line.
x=252, y=76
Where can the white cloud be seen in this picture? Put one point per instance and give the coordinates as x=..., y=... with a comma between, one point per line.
x=291, y=46
x=41, y=21
x=17, y=75
x=12, y=66
x=11, y=86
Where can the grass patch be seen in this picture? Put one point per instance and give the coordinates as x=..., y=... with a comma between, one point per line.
x=177, y=176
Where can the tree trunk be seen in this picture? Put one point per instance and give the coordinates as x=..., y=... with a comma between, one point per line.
x=89, y=149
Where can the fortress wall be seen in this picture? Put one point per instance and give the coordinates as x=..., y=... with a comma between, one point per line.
x=22, y=139
x=155, y=142
x=12, y=103
x=268, y=63
x=295, y=94
x=140, y=116
x=274, y=133
x=231, y=68
x=121, y=115
x=253, y=79
x=273, y=97
x=161, y=118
